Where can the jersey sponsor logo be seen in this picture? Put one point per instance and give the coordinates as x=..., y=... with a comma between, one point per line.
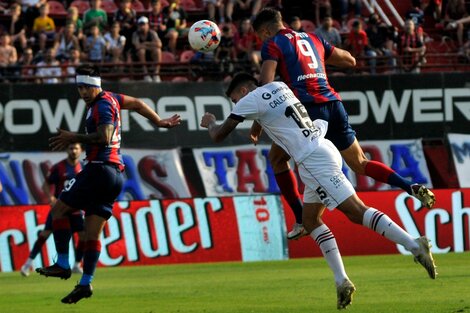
x=311, y=75
x=266, y=96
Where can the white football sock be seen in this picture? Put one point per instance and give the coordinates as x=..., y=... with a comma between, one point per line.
x=327, y=243
x=383, y=225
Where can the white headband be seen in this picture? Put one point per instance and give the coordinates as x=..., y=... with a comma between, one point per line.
x=88, y=80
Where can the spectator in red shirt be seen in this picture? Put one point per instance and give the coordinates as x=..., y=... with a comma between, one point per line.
x=248, y=45
x=357, y=39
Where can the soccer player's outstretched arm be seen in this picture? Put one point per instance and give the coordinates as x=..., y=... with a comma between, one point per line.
x=137, y=105
x=218, y=132
x=341, y=58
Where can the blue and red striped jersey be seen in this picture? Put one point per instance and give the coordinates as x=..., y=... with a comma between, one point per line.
x=105, y=110
x=61, y=173
x=300, y=61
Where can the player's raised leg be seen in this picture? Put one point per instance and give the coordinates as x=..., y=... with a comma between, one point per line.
x=356, y=159
x=62, y=234
x=287, y=183
x=379, y=222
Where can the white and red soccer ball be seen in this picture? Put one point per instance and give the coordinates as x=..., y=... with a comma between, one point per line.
x=204, y=36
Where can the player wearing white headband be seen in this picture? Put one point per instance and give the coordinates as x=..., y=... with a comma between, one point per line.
x=95, y=189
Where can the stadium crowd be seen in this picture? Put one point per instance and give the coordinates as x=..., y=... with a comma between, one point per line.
x=43, y=41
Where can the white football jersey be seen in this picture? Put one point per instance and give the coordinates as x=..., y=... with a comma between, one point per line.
x=283, y=118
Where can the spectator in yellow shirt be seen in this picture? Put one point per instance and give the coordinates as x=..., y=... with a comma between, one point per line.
x=44, y=27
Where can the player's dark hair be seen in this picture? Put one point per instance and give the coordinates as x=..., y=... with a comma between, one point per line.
x=88, y=69
x=239, y=80
x=265, y=17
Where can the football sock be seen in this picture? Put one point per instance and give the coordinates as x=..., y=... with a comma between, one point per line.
x=327, y=243
x=385, y=174
x=62, y=236
x=29, y=262
x=90, y=259
x=37, y=247
x=288, y=185
x=79, y=250
x=63, y=260
x=86, y=279
x=383, y=225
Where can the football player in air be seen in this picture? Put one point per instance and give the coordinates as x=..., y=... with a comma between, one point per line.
x=97, y=186
x=300, y=60
x=288, y=124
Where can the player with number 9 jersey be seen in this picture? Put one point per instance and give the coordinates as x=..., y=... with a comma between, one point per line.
x=304, y=74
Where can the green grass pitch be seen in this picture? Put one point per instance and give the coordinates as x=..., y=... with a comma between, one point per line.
x=387, y=283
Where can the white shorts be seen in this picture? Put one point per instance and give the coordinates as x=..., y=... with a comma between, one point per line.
x=324, y=181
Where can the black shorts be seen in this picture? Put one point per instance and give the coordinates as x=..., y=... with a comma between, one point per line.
x=339, y=131
x=94, y=189
x=76, y=222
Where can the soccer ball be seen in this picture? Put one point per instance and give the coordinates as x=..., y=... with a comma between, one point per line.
x=204, y=36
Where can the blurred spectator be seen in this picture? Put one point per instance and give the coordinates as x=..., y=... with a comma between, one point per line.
x=17, y=27
x=296, y=24
x=72, y=64
x=147, y=47
x=226, y=53
x=127, y=17
x=415, y=13
x=8, y=56
x=157, y=20
x=357, y=39
x=95, y=45
x=322, y=10
x=31, y=10
x=328, y=32
x=65, y=41
x=345, y=7
x=248, y=45
x=73, y=18
x=95, y=16
x=380, y=44
x=358, y=44
x=115, y=43
x=456, y=10
x=411, y=49
x=44, y=27
x=246, y=8
x=26, y=64
x=433, y=8
x=211, y=6
x=176, y=23
x=49, y=69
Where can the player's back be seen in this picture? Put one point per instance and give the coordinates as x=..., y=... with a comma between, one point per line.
x=301, y=64
x=286, y=120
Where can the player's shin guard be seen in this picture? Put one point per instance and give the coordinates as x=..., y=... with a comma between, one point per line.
x=79, y=251
x=383, y=225
x=90, y=259
x=385, y=174
x=62, y=236
x=327, y=243
x=288, y=185
x=37, y=247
